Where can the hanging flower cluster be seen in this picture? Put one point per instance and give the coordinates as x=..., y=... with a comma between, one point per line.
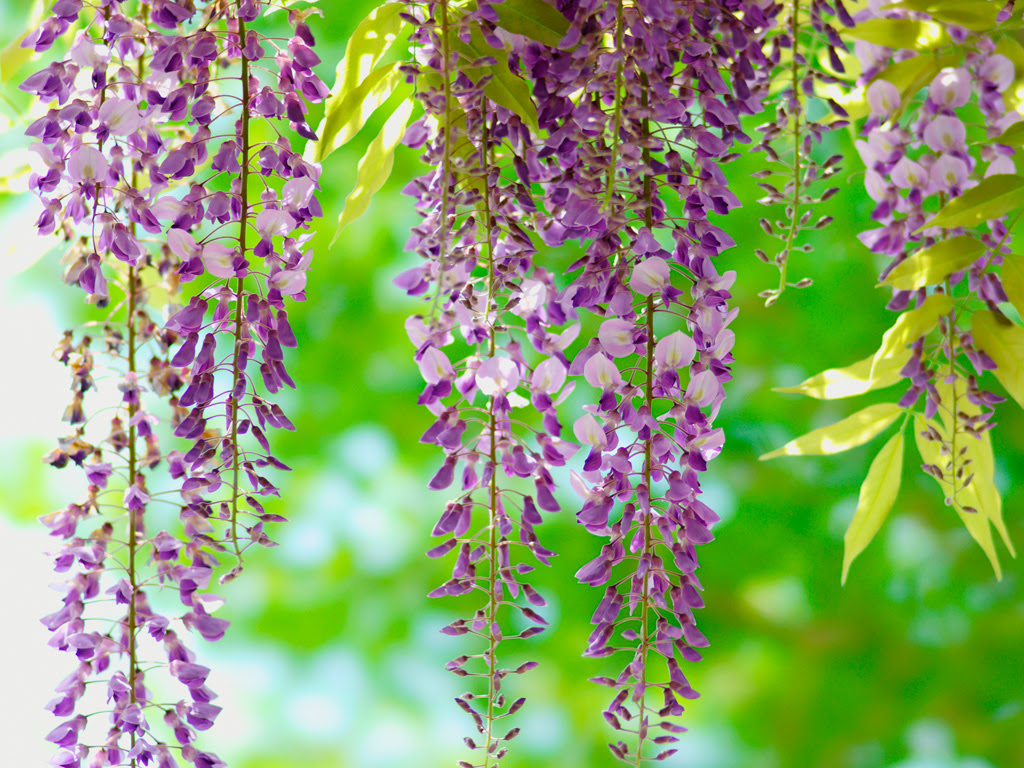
x=487, y=296
x=920, y=158
x=151, y=174
x=639, y=115
x=803, y=35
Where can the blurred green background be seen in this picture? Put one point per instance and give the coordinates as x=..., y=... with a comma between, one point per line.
x=334, y=659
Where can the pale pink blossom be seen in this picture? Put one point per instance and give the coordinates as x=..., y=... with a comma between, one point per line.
x=650, y=276
x=289, y=281
x=703, y=388
x=601, y=372
x=951, y=87
x=435, y=366
x=948, y=172
x=616, y=337
x=497, y=376
x=997, y=70
x=182, y=244
x=1002, y=164
x=273, y=221
x=121, y=116
x=908, y=174
x=549, y=376
x=217, y=260
x=883, y=98
x=945, y=134
x=589, y=431
x=87, y=165
x=674, y=351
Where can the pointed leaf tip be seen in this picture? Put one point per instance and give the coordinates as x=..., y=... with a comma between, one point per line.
x=843, y=435
x=877, y=495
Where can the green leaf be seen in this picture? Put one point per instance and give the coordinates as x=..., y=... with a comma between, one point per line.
x=504, y=88
x=843, y=435
x=977, y=524
x=375, y=167
x=347, y=113
x=910, y=326
x=900, y=33
x=976, y=15
x=977, y=459
x=1012, y=136
x=1013, y=280
x=535, y=19
x=933, y=264
x=877, y=495
x=992, y=198
x=13, y=56
x=855, y=379
x=1004, y=343
x=370, y=40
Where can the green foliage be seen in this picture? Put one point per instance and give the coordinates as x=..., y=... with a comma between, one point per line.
x=1003, y=341
x=863, y=376
x=843, y=435
x=375, y=166
x=907, y=34
x=535, y=19
x=877, y=495
x=935, y=263
x=994, y=196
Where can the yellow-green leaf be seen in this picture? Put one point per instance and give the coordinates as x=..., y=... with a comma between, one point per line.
x=1013, y=279
x=977, y=523
x=993, y=197
x=347, y=113
x=372, y=38
x=504, y=88
x=1003, y=341
x=852, y=380
x=900, y=33
x=843, y=435
x=981, y=493
x=877, y=495
x=976, y=15
x=1012, y=136
x=535, y=19
x=933, y=264
x=13, y=56
x=912, y=325
x=375, y=167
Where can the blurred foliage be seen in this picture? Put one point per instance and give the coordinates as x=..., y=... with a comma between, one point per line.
x=334, y=659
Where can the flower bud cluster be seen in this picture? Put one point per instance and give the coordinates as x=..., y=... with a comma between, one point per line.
x=803, y=35
x=186, y=234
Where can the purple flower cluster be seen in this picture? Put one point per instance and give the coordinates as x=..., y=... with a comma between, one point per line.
x=488, y=296
x=633, y=126
x=918, y=158
x=154, y=184
x=626, y=131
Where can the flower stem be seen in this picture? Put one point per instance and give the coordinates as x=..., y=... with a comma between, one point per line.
x=239, y=289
